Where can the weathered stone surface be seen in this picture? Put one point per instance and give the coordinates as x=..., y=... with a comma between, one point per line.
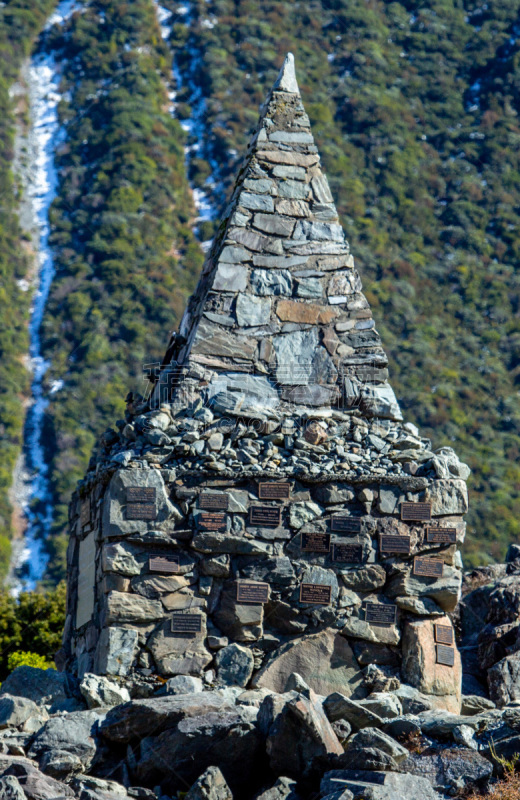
x=371, y=785
x=274, y=223
x=447, y=497
x=370, y=749
x=35, y=785
x=141, y=718
x=10, y=789
x=176, y=654
x=73, y=734
x=230, y=278
x=364, y=579
x=240, y=621
x=221, y=543
x=445, y=591
x=124, y=607
x=116, y=651
x=324, y=660
x=229, y=739
x=270, y=282
x=295, y=353
x=234, y=665
x=114, y=517
x=58, y=691
x=420, y=669
x=337, y=706
x=283, y=789
x=99, y=692
x=123, y=558
x=385, y=704
x=212, y=340
x=300, y=734
x=378, y=634
x=182, y=684
x=211, y=785
x=449, y=769
x=255, y=202
x=14, y=711
x=504, y=680
x=252, y=310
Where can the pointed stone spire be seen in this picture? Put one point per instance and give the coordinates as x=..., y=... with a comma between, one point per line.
x=278, y=317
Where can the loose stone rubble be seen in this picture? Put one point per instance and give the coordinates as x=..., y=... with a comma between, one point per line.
x=233, y=538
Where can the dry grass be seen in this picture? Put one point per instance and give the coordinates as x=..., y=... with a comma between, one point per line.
x=508, y=788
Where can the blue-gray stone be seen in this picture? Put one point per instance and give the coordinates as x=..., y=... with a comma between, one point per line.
x=256, y=202
x=268, y=282
x=253, y=310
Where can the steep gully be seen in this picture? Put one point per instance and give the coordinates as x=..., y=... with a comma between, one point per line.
x=31, y=495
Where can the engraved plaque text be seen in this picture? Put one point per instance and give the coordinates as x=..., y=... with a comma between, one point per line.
x=217, y=502
x=274, y=491
x=208, y=521
x=346, y=524
x=394, y=543
x=441, y=535
x=428, y=567
x=422, y=512
x=265, y=516
x=380, y=614
x=443, y=634
x=186, y=623
x=169, y=564
x=252, y=592
x=140, y=494
x=141, y=511
x=315, y=593
x=445, y=655
x=315, y=542
x=347, y=552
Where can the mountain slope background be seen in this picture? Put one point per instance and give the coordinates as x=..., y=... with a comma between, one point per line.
x=415, y=112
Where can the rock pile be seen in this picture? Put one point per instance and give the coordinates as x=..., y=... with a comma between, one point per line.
x=219, y=742
x=267, y=511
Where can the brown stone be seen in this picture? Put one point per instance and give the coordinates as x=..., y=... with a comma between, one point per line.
x=293, y=311
x=315, y=433
x=324, y=660
x=420, y=668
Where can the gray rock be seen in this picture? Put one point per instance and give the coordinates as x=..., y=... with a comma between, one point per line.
x=211, y=785
x=229, y=739
x=35, y=785
x=115, y=522
x=230, y=278
x=15, y=711
x=450, y=768
x=372, y=749
x=73, y=735
x=283, y=789
x=10, y=789
x=245, y=393
x=299, y=735
x=504, y=681
x=309, y=288
x=364, y=579
x=182, y=684
x=385, y=704
x=444, y=591
x=322, y=231
x=473, y=704
x=406, y=725
x=274, y=223
x=234, y=665
x=294, y=190
x=255, y=202
x=295, y=353
x=447, y=497
x=125, y=607
x=371, y=785
x=99, y=692
x=56, y=690
x=116, y=650
x=179, y=655
x=139, y=718
x=337, y=706
x=301, y=513
x=269, y=282
x=234, y=255
x=412, y=700
x=253, y=310
x=222, y=543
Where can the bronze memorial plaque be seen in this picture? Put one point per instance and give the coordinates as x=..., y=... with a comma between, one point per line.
x=252, y=592
x=163, y=563
x=141, y=511
x=315, y=593
x=421, y=512
x=394, y=543
x=428, y=567
x=140, y=494
x=189, y=624
x=209, y=521
x=441, y=535
x=265, y=516
x=274, y=491
x=345, y=524
x=445, y=655
x=443, y=634
x=315, y=542
x=380, y=614
x=216, y=502
x=347, y=552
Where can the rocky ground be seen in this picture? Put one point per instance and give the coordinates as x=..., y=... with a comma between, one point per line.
x=89, y=739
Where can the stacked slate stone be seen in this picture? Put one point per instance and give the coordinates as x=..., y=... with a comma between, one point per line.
x=267, y=511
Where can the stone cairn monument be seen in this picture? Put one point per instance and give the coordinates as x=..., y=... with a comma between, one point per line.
x=266, y=511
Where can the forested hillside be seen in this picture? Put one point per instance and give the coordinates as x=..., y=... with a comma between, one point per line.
x=415, y=111
x=20, y=23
